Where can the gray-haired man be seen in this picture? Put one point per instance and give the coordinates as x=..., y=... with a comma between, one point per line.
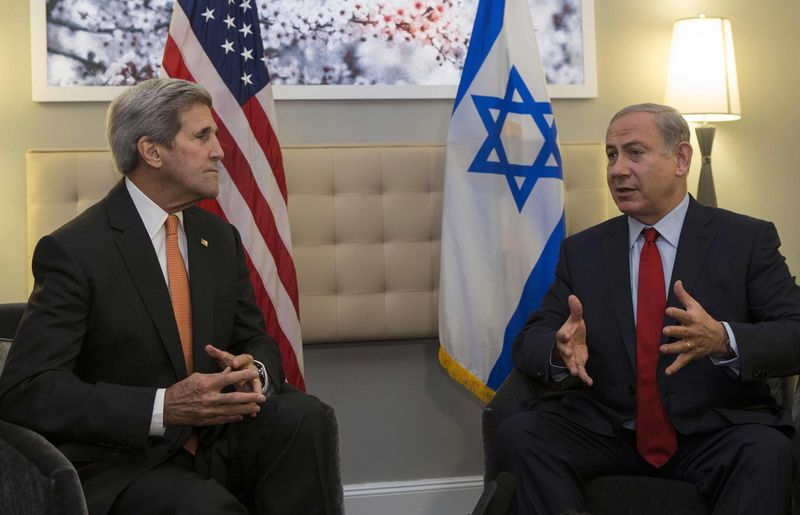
x=142, y=353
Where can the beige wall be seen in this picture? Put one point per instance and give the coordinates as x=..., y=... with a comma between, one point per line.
x=754, y=159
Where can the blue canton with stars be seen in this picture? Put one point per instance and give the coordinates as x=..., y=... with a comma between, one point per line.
x=231, y=37
x=547, y=162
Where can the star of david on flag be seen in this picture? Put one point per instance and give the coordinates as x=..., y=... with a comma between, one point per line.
x=493, y=157
x=503, y=203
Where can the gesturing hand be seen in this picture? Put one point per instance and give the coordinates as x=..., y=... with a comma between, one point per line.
x=199, y=400
x=698, y=334
x=242, y=361
x=571, y=341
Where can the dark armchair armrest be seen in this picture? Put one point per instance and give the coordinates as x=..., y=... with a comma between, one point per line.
x=35, y=478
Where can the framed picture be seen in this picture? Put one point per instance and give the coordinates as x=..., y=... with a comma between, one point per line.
x=90, y=50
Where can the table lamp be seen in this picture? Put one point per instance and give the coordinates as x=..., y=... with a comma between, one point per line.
x=702, y=85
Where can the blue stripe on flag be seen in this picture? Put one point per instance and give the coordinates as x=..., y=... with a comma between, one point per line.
x=488, y=23
x=535, y=288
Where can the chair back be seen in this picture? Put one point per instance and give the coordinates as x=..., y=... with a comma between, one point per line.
x=10, y=315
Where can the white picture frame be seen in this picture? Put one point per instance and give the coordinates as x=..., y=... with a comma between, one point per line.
x=42, y=91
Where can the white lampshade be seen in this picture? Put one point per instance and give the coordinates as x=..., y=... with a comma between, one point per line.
x=701, y=79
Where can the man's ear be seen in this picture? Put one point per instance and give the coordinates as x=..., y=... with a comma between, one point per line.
x=683, y=158
x=148, y=151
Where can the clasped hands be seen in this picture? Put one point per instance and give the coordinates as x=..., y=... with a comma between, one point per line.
x=199, y=399
x=698, y=336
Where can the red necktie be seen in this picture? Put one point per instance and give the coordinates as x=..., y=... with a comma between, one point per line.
x=655, y=436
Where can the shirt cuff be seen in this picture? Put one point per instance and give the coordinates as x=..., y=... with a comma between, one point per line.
x=557, y=372
x=732, y=363
x=157, y=419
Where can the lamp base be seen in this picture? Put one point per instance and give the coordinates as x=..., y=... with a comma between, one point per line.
x=705, y=188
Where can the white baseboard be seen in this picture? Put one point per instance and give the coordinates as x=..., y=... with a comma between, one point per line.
x=439, y=496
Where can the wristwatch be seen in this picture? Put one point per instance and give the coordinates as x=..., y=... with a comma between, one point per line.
x=262, y=376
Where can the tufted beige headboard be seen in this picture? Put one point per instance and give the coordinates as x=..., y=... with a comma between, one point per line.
x=365, y=226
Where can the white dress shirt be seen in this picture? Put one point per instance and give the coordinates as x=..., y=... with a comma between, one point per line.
x=154, y=218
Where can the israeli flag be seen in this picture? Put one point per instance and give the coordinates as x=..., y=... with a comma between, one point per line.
x=503, y=205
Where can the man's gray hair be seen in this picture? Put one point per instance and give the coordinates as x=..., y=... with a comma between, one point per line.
x=151, y=108
x=672, y=127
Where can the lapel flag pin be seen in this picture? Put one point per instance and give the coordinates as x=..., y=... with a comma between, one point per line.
x=204, y=242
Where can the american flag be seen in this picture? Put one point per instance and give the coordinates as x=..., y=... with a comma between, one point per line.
x=217, y=44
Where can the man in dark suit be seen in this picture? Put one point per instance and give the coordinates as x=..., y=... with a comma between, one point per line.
x=672, y=317
x=142, y=354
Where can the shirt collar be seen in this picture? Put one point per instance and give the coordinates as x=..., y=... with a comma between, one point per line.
x=152, y=215
x=669, y=227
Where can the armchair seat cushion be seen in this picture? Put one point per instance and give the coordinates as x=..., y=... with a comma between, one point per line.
x=634, y=495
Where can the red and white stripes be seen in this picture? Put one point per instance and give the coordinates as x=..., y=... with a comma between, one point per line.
x=253, y=193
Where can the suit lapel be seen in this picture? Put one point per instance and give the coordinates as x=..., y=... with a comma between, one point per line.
x=137, y=252
x=200, y=275
x=693, y=246
x=696, y=238
x=617, y=262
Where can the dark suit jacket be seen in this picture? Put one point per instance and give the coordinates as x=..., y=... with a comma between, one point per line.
x=731, y=265
x=99, y=337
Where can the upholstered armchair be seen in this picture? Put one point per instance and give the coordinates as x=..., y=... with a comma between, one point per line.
x=620, y=495
x=36, y=479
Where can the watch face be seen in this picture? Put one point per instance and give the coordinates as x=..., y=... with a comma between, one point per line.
x=262, y=375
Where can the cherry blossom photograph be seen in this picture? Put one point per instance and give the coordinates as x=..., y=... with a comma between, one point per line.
x=396, y=43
